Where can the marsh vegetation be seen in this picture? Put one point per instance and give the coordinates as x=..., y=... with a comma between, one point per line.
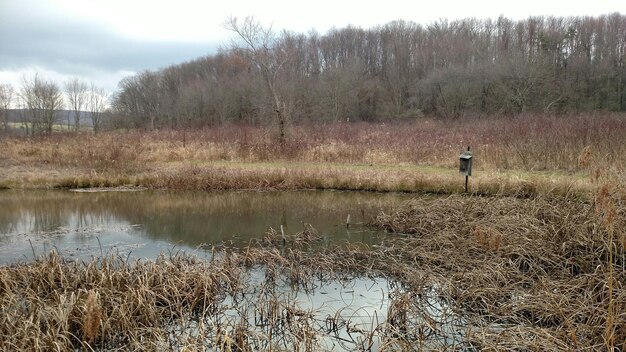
x=533, y=155
x=531, y=258
x=495, y=273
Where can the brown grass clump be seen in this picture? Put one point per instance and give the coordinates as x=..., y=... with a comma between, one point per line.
x=539, y=273
x=488, y=237
x=92, y=318
x=307, y=236
x=585, y=157
x=54, y=304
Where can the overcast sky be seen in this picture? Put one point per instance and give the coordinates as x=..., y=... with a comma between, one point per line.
x=102, y=41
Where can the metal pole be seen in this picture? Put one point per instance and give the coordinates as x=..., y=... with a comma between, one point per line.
x=466, y=176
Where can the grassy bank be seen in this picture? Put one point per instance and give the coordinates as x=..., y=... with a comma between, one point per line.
x=528, y=155
x=289, y=176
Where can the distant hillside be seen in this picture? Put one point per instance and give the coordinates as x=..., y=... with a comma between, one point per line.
x=16, y=115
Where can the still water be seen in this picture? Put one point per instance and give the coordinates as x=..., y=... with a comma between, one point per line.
x=143, y=224
x=146, y=223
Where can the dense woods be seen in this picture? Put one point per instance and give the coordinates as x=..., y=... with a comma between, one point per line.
x=447, y=69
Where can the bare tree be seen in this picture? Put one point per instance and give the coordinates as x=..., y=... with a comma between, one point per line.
x=141, y=96
x=96, y=105
x=260, y=44
x=339, y=92
x=6, y=98
x=43, y=99
x=77, y=95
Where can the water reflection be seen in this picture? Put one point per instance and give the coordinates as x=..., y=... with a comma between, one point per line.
x=150, y=221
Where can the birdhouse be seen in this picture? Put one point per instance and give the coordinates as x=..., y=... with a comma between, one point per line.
x=465, y=167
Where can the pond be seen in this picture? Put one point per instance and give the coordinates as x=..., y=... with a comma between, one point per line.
x=346, y=313
x=146, y=223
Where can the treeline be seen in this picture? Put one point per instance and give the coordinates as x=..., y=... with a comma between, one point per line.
x=41, y=105
x=448, y=69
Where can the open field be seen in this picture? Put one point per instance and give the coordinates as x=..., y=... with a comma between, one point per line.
x=18, y=127
x=533, y=259
x=528, y=155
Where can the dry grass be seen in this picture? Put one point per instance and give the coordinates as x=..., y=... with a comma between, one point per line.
x=529, y=154
x=543, y=273
x=539, y=142
x=172, y=303
x=183, y=303
x=470, y=272
x=285, y=176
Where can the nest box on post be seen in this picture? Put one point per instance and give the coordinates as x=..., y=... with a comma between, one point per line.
x=465, y=166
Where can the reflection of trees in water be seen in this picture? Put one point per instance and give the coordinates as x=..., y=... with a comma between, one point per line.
x=36, y=211
x=44, y=211
x=188, y=217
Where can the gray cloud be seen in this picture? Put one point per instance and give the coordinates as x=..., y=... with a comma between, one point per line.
x=73, y=46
